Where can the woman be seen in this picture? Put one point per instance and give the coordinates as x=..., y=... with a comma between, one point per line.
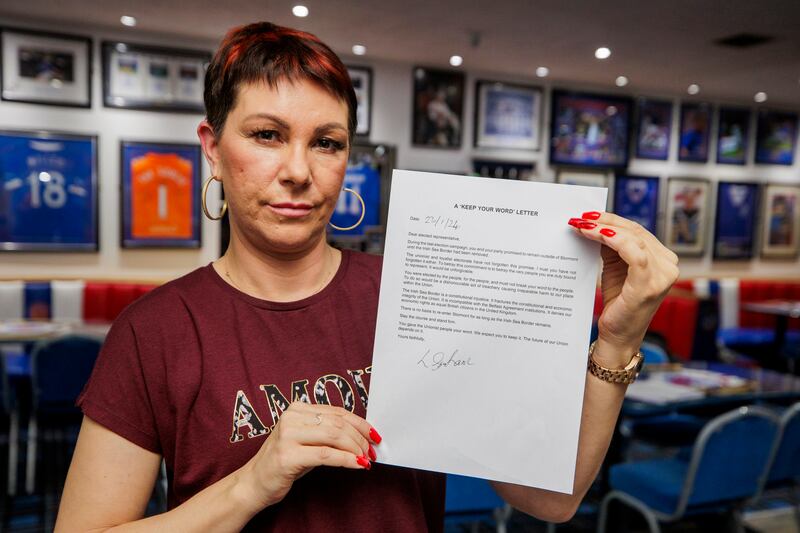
x=237, y=374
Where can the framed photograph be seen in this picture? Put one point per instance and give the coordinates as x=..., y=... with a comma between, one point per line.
x=362, y=84
x=735, y=227
x=45, y=68
x=367, y=175
x=687, y=215
x=438, y=108
x=508, y=170
x=654, y=129
x=732, y=135
x=636, y=198
x=780, y=229
x=153, y=78
x=586, y=179
x=590, y=130
x=48, y=192
x=160, y=195
x=776, y=138
x=507, y=115
x=695, y=131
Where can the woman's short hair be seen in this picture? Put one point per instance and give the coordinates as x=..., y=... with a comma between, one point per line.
x=265, y=52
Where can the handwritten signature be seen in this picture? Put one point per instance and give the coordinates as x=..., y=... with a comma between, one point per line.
x=438, y=360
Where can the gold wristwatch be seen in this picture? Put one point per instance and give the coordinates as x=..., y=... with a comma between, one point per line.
x=625, y=375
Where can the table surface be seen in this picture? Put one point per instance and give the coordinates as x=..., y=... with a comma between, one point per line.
x=15, y=331
x=762, y=385
x=790, y=308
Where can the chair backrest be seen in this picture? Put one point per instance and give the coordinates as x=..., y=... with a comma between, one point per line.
x=730, y=457
x=466, y=495
x=59, y=370
x=786, y=463
x=653, y=353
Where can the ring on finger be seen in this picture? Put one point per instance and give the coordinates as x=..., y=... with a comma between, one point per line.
x=317, y=419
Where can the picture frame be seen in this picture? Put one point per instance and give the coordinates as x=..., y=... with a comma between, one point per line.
x=585, y=179
x=776, y=137
x=636, y=198
x=507, y=115
x=438, y=107
x=361, y=77
x=48, y=68
x=736, y=220
x=695, y=130
x=160, y=195
x=687, y=215
x=509, y=170
x=590, y=130
x=48, y=192
x=780, y=226
x=733, y=135
x=153, y=78
x=653, y=129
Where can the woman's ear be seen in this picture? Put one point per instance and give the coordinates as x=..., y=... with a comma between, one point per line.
x=208, y=141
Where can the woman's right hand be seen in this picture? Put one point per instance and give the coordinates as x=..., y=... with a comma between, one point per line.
x=307, y=436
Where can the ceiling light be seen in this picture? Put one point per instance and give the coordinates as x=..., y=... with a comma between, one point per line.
x=760, y=97
x=542, y=72
x=456, y=60
x=300, y=11
x=602, y=53
x=44, y=177
x=359, y=49
x=693, y=89
x=621, y=81
x=127, y=20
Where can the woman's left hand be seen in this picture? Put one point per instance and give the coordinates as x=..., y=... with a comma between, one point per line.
x=638, y=271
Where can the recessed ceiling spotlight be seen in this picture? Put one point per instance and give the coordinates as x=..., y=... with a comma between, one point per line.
x=760, y=97
x=542, y=72
x=300, y=11
x=693, y=89
x=359, y=49
x=127, y=20
x=602, y=53
x=456, y=60
x=621, y=81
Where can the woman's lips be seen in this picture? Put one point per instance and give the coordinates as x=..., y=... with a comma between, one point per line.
x=291, y=209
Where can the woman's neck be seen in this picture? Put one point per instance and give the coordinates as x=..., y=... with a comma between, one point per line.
x=278, y=278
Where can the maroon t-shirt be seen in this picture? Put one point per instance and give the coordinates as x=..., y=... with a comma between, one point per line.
x=200, y=372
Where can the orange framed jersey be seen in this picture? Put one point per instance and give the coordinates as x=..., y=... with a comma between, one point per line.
x=160, y=195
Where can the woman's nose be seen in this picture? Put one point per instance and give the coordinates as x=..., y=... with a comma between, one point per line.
x=296, y=169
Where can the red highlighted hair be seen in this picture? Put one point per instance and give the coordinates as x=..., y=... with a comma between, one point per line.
x=265, y=52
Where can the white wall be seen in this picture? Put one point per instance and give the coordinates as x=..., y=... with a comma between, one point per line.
x=391, y=124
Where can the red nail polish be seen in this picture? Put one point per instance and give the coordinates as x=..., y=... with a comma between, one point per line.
x=591, y=215
x=375, y=436
x=363, y=462
x=608, y=232
x=587, y=225
x=575, y=222
x=372, y=455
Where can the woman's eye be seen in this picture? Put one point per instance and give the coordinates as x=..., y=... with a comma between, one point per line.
x=266, y=135
x=330, y=145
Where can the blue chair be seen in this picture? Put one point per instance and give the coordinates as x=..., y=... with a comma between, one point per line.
x=726, y=467
x=784, y=469
x=470, y=499
x=59, y=370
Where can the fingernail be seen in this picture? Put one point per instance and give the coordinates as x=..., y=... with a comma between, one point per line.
x=591, y=215
x=375, y=436
x=575, y=222
x=363, y=462
x=608, y=232
x=372, y=454
x=587, y=225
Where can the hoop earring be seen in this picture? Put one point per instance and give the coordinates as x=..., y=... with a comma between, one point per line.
x=203, y=203
x=363, y=212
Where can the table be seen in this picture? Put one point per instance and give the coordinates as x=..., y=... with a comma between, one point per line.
x=783, y=310
x=762, y=385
